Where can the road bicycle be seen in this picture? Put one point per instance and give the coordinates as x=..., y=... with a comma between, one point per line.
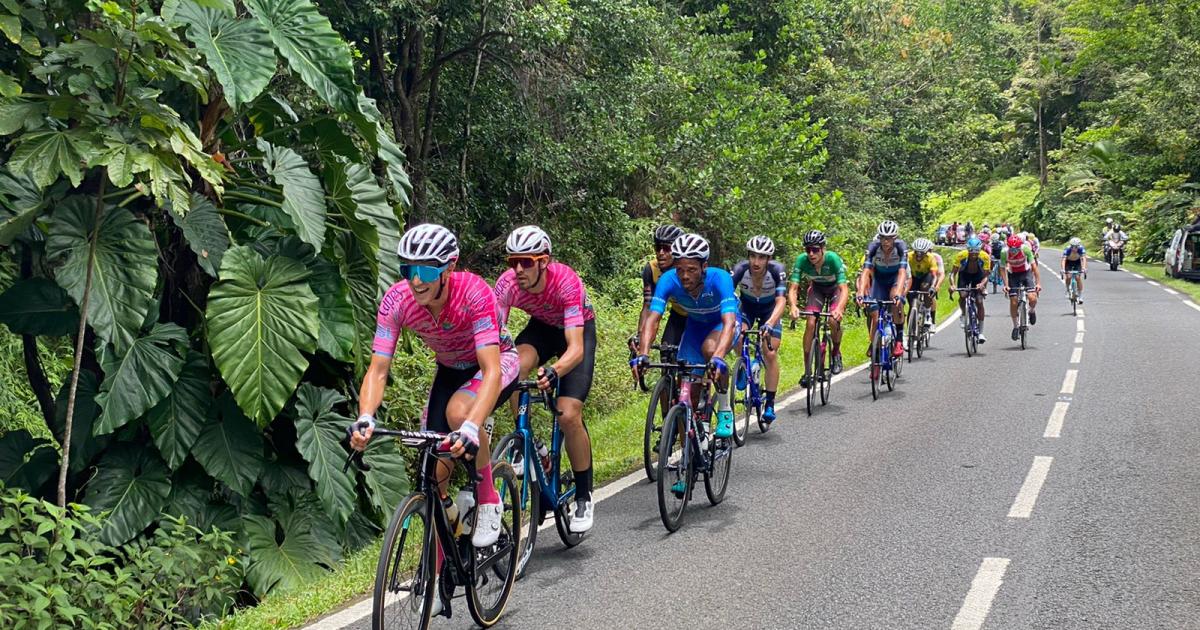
x=747, y=383
x=919, y=331
x=1022, y=310
x=700, y=454
x=542, y=486
x=819, y=363
x=1073, y=290
x=995, y=278
x=436, y=531
x=883, y=368
x=662, y=398
x=971, y=328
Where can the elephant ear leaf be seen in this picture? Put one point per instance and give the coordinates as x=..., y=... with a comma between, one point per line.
x=139, y=379
x=230, y=447
x=238, y=50
x=132, y=484
x=320, y=432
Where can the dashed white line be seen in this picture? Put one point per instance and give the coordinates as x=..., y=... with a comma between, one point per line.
x=1137, y=275
x=1055, y=424
x=1193, y=305
x=1076, y=355
x=1153, y=283
x=1022, y=507
x=1078, y=337
x=979, y=598
x=1079, y=325
x=1170, y=290
x=1080, y=311
x=1068, y=386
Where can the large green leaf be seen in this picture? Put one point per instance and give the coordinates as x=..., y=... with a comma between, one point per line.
x=175, y=422
x=139, y=379
x=303, y=197
x=84, y=446
x=319, y=435
x=360, y=270
x=26, y=462
x=388, y=478
x=337, y=335
x=205, y=232
x=22, y=202
x=132, y=482
x=124, y=272
x=38, y=306
x=302, y=510
x=312, y=48
x=262, y=316
x=361, y=200
x=230, y=448
x=368, y=121
x=195, y=495
x=297, y=559
x=238, y=50
x=16, y=113
x=43, y=155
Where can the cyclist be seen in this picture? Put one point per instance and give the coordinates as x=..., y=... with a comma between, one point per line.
x=1019, y=269
x=926, y=274
x=561, y=324
x=825, y=273
x=970, y=270
x=1034, y=245
x=1074, y=258
x=454, y=313
x=660, y=263
x=885, y=275
x=707, y=294
x=759, y=281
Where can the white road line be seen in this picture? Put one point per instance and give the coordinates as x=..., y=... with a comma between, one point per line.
x=1080, y=310
x=1153, y=283
x=1076, y=354
x=1079, y=325
x=1137, y=275
x=1171, y=291
x=1068, y=386
x=984, y=587
x=1192, y=305
x=1022, y=507
x=1078, y=337
x=1055, y=424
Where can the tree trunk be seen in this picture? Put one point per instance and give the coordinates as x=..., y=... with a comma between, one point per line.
x=33, y=362
x=1043, y=175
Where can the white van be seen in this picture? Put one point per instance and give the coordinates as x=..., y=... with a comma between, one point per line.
x=1182, y=259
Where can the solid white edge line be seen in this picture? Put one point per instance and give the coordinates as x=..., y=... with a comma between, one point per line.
x=1068, y=386
x=1022, y=506
x=1170, y=290
x=1055, y=423
x=1076, y=355
x=1153, y=283
x=1192, y=304
x=361, y=610
x=978, y=602
x=1136, y=275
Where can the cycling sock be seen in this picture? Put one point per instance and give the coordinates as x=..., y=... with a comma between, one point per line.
x=770, y=398
x=583, y=485
x=486, y=489
x=723, y=401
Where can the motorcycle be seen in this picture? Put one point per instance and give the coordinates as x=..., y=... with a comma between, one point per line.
x=1114, y=253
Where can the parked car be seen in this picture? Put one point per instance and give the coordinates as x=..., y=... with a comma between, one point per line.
x=1181, y=260
x=940, y=239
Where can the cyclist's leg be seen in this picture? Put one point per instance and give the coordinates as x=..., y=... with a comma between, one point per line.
x=708, y=345
x=771, y=358
x=532, y=352
x=573, y=390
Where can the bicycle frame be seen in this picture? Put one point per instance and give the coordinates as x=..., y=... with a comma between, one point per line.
x=753, y=390
x=883, y=324
x=548, y=484
x=685, y=377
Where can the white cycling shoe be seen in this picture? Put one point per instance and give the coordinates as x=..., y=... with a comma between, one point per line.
x=581, y=518
x=487, y=524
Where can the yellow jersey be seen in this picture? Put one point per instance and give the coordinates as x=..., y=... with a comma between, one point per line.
x=919, y=267
x=963, y=259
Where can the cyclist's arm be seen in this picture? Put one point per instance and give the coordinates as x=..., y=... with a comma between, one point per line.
x=1083, y=260
x=489, y=390
x=843, y=297
x=792, y=293
x=649, y=332
x=725, y=339
x=777, y=313
x=370, y=394
x=647, y=294
x=574, y=353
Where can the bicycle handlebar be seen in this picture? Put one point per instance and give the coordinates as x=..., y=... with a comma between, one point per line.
x=413, y=439
x=545, y=397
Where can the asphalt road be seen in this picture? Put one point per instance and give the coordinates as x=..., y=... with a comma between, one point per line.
x=948, y=503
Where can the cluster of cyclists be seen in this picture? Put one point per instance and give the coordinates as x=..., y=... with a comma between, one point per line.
x=463, y=320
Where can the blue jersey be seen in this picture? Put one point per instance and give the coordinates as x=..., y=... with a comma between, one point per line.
x=716, y=297
x=1074, y=253
x=885, y=264
x=773, y=284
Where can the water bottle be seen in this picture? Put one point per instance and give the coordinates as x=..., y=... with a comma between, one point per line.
x=452, y=513
x=464, y=503
x=704, y=436
x=756, y=367
x=740, y=379
x=543, y=455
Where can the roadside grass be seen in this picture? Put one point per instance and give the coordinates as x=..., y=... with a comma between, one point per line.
x=1155, y=272
x=616, y=451
x=1002, y=202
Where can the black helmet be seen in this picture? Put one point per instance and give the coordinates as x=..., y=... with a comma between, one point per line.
x=667, y=233
x=814, y=238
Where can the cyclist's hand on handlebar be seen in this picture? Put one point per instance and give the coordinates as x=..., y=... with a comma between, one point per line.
x=360, y=431
x=547, y=378
x=639, y=363
x=718, y=367
x=837, y=314
x=464, y=442
x=795, y=312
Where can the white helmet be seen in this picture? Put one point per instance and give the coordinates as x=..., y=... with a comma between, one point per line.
x=922, y=246
x=889, y=228
x=761, y=245
x=428, y=241
x=528, y=239
x=690, y=246
x=1075, y=242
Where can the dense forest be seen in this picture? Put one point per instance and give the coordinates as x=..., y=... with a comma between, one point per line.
x=200, y=201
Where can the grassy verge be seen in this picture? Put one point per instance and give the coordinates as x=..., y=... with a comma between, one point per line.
x=617, y=450
x=1156, y=273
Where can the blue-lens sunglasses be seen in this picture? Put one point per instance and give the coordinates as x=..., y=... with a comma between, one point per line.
x=427, y=273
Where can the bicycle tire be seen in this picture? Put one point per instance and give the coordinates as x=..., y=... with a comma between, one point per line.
x=389, y=579
x=1023, y=311
x=814, y=358
x=740, y=429
x=715, y=483
x=511, y=449
x=889, y=376
x=671, y=506
x=562, y=513
x=659, y=398
x=502, y=564
x=875, y=367
x=826, y=372
x=914, y=332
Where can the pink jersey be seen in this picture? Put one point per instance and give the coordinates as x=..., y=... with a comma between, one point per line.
x=563, y=303
x=469, y=321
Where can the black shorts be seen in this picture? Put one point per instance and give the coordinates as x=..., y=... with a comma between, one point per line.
x=1023, y=279
x=1074, y=265
x=447, y=381
x=921, y=282
x=673, y=331
x=551, y=341
x=968, y=280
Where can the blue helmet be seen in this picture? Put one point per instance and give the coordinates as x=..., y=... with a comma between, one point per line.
x=974, y=244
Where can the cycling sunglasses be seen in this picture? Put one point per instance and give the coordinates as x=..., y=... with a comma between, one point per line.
x=524, y=262
x=662, y=247
x=814, y=250
x=427, y=273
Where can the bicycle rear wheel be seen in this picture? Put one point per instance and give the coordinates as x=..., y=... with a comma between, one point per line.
x=562, y=511
x=825, y=373
x=494, y=568
x=741, y=374
x=876, y=365
x=720, y=452
x=674, y=480
x=660, y=398
x=511, y=450
x=404, y=588
x=914, y=331
x=810, y=368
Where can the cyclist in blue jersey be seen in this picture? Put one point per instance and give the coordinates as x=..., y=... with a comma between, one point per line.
x=1074, y=258
x=884, y=277
x=706, y=293
x=760, y=284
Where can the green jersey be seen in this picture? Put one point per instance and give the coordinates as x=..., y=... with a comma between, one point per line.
x=832, y=271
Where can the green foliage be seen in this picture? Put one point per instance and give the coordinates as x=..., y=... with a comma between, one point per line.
x=56, y=571
x=1002, y=202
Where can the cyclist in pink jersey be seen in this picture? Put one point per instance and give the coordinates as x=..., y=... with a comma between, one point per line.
x=561, y=324
x=455, y=314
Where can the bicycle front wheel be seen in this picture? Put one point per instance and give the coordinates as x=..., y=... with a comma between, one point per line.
x=511, y=450
x=745, y=396
x=876, y=366
x=914, y=331
x=720, y=453
x=810, y=368
x=674, y=479
x=404, y=584
x=494, y=568
x=655, y=410
x=825, y=370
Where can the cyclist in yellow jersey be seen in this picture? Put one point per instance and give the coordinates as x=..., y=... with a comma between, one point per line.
x=970, y=269
x=925, y=274
x=661, y=263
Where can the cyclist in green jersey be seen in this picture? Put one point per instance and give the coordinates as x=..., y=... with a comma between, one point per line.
x=826, y=276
